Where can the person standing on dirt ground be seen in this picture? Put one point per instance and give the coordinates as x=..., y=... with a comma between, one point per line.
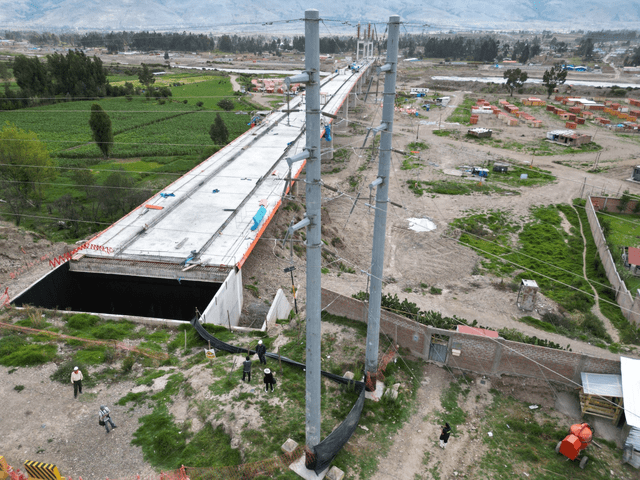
x=444, y=435
x=269, y=380
x=246, y=370
x=104, y=418
x=76, y=379
x=261, y=350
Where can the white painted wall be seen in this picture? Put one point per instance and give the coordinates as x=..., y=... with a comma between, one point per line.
x=226, y=305
x=280, y=309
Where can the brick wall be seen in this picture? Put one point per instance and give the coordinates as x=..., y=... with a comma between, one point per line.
x=609, y=204
x=483, y=355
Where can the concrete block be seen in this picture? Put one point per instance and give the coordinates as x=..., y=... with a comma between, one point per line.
x=393, y=394
x=377, y=395
x=289, y=446
x=299, y=467
x=335, y=473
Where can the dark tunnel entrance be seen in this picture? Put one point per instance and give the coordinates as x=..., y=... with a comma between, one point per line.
x=118, y=294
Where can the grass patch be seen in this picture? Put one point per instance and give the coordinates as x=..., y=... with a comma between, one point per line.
x=535, y=176
x=443, y=133
x=452, y=187
x=135, y=398
x=462, y=113
x=452, y=413
x=553, y=258
x=164, y=443
x=524, y=441
x=16, y=351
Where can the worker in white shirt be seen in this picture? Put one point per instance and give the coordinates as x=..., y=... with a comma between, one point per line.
x=76, y=379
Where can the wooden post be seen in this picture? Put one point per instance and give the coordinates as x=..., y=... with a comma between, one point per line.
x=229, y=320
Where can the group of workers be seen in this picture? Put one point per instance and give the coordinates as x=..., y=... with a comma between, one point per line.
x=269, y=380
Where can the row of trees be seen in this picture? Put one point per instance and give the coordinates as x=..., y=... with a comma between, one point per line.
x=483, y=49
x=186, y=42
x=74, y=74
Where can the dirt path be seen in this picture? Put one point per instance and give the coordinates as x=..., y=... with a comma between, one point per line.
x=234, y=83
x=416, y=452
x=46, y=424
x=611, y=330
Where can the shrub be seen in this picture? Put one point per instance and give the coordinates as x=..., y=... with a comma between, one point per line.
x=16, y=352
x=81, y=321
x=594, y=325
x=226, y=104
x=128, y=362
x=63, y=373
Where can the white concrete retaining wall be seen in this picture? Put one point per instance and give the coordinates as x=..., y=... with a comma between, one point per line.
x=226, y=305
x=280, y=309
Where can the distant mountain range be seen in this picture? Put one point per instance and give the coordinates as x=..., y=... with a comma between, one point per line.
x=249, y=15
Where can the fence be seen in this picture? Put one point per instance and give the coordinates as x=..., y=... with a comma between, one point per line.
x=475, y=353
x=630, y=306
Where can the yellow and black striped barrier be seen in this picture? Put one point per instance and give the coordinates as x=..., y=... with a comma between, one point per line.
x=4, y=468
x=42, y=471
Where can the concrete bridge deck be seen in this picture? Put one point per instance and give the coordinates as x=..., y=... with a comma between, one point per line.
x=204, y=229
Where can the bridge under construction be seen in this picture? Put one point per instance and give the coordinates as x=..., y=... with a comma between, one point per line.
x=184, y=248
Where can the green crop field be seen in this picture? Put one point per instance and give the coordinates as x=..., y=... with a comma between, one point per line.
x=209, y=92
x=155, y=141
x=65, y=125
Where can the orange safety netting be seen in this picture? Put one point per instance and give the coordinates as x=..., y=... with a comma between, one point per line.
x=113, y=343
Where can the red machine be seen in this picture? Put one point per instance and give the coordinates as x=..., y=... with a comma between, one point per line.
x=579, y=439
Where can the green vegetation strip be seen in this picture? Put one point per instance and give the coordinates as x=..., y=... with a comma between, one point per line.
x=553, y=258
x=524, y=440
x=452, y=187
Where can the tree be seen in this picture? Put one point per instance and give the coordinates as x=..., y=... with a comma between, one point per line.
x=146, y=76
x=218, y=131
x=525, y=55
x=585, y=49
x=226, y=104
x=25, y=166
x=31, y=76
x=224, y=44
x=515, y=79
x=554, y=77
x=100, y=124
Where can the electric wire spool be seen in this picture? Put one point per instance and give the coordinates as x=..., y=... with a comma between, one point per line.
x=579, y=439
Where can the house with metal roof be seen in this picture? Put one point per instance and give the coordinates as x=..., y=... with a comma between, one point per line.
x=568, y=138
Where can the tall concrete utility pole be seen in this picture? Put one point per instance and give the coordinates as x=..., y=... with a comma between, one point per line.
x=314, y=241
x=382, y=198
x=312, y=219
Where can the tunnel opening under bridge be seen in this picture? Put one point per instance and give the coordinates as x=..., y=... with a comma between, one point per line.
x=116, y=294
